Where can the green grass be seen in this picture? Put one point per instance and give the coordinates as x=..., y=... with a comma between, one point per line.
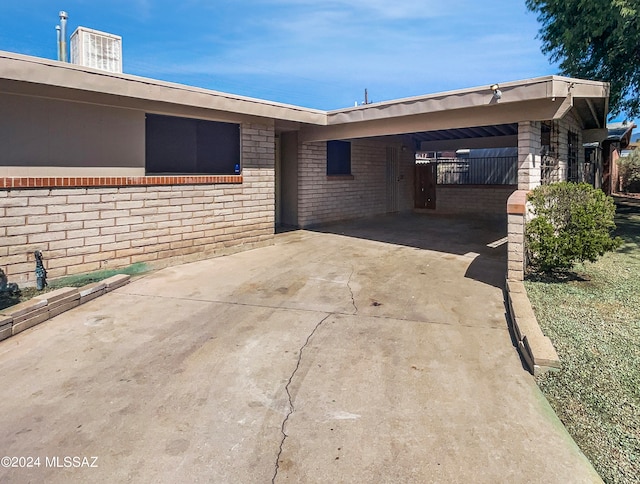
x=78, y=280
x=593, y=320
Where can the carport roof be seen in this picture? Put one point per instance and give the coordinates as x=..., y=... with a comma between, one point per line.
x=467, y=133
x=538, y=99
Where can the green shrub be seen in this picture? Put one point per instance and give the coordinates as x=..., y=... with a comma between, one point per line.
x=629, y=171
x=571, y=223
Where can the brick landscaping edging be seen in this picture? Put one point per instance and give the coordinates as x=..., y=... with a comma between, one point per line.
x=536, y=349
x=15, y=319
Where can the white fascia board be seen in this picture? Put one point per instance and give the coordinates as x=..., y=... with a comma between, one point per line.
x=517, y=91
x=17, y=67
x=537, y=89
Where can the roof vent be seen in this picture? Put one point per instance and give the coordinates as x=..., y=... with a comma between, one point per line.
x=100, y=50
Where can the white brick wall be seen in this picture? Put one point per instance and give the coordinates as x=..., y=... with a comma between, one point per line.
x=529, y=160
x=473, y=200
x=85, y=229
x=515, y=253
x=323, y=199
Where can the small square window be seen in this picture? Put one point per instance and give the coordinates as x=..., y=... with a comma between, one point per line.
x=338, y=158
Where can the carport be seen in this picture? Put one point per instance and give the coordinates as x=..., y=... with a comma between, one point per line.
x=385, y=138
x=545, y=119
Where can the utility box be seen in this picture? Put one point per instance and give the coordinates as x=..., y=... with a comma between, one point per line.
x=100, y=50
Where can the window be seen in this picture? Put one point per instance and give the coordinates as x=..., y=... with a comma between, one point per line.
x=572, y=157
x=338, y=158
x=191, y=146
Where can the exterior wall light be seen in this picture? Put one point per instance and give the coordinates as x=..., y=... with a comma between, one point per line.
x=497, y=93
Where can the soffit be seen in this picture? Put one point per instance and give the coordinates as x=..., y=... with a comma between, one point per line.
x=467, y=133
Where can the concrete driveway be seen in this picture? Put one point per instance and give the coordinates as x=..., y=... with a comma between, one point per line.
x=376, y=351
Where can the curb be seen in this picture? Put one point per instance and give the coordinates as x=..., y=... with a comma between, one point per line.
x=536, y=349
x=15, y=319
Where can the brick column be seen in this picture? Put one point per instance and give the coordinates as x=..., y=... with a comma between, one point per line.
x=529, y=159
x=516, y=211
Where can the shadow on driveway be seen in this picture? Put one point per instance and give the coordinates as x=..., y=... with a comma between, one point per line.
x=456, y=235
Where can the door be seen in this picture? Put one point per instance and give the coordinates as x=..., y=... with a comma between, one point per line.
x=392, y=179
x=288, y=191
x=425, y=196
x=278, y=183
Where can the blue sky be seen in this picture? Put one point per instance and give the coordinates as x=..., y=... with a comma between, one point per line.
x=315, y=53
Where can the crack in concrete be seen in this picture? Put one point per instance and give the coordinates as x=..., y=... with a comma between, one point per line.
x=353, y=299
x=340, y=313
x=291, y=406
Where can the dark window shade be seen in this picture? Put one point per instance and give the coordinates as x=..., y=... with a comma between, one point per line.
x=338, y=158
x=191, y=146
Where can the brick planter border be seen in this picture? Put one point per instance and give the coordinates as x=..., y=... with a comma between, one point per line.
x=15, y=319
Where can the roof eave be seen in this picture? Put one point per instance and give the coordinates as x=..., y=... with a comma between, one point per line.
x=552, y=88
x=55, y=74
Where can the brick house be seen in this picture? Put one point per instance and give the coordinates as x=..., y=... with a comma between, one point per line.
x=102, y=170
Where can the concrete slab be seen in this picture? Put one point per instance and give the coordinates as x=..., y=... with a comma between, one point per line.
x=5, y=320
x=329, y=357
x=5, y=331
x=24, y=308
x=116, y=281
x=541, y=355
x=60, y=307
x=24, y=323
x=64, y=293
x=92, y=288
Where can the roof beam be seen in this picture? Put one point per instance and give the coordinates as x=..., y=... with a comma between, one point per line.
x=593, y=113
x=564, y=108
x=470, y=143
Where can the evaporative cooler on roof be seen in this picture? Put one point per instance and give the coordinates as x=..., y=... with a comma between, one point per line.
x=100, y=50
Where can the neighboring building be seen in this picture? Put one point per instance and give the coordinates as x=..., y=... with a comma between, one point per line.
x=617, y=141
x=102, y=170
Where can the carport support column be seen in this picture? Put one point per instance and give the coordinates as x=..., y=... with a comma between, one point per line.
x=516, y=221
x=529, y=160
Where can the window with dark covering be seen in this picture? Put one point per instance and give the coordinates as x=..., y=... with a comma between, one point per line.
x=338, y=158
x=191, y=146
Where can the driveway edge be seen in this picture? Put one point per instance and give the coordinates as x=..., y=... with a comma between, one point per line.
x=536, y=349
x=15, y=319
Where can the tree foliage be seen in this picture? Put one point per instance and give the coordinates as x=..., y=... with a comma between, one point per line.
x=571, y=223
x=595, y=39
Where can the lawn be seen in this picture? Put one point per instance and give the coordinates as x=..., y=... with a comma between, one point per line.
x=593, y=320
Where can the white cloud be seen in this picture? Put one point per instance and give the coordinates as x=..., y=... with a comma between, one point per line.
x=385, y=9
x=339, y=47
